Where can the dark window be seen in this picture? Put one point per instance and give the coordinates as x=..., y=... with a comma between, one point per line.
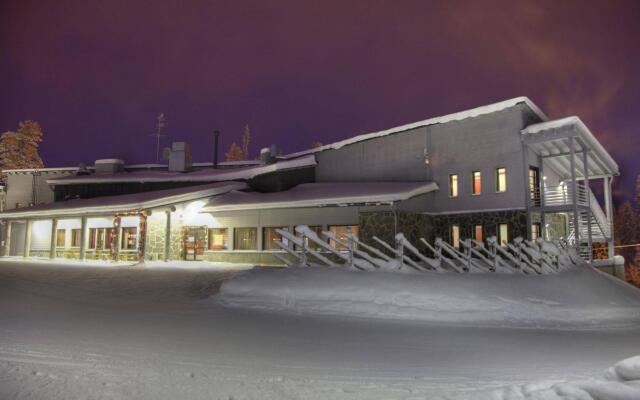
x=270, y=237
x=245, y=239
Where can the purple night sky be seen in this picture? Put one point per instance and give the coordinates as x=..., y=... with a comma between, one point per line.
x=95, y=74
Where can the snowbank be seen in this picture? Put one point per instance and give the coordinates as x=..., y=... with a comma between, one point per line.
x=617, y=385
x=579, y=297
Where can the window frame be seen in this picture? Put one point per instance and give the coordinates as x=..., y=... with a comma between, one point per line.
x=264, y=237
x=502, y=242
x=317, y=229
x=236, y=236
x=64, y=238
x=498, y=180
x=453, y=195
x=75, y=231
x=473, y=183
x=475, y=232
x=454, y=228
x=334, y=244
x=122, y=238
x=538, y=225
x=226, y=244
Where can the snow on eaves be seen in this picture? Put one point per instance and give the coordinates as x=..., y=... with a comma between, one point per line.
x=205, y=175
x=122, y=203
x=576, y=123
x=474, y=112
x=321, y=194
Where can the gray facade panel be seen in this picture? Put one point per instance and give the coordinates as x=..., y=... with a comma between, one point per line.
x=397, y=157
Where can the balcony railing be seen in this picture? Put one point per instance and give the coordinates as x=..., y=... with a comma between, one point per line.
x=561, y=195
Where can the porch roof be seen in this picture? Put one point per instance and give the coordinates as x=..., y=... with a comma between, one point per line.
x=321, y=194
x=552, y=139
x=122, y=203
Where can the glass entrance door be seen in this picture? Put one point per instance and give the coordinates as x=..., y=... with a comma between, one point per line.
x=194, y=242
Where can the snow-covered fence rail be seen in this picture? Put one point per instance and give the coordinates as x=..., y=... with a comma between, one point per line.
x=307, y=248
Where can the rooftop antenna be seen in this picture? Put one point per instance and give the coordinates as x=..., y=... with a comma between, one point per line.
x=159, y=126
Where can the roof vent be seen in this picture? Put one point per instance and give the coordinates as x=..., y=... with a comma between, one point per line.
x=268, y=154
x=180, y=157
x=109, y=166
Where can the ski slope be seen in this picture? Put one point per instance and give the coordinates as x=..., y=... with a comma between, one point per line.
x=83, y=331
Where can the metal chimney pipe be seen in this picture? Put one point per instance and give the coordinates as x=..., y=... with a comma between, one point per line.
x=216, y=135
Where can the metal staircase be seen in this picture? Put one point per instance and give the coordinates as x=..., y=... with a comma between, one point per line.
x=600, y=228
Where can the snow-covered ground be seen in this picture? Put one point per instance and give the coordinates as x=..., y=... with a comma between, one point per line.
x=72, y=331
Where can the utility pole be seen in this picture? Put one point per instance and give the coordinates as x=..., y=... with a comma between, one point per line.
x=216, y=136
x=159, y=126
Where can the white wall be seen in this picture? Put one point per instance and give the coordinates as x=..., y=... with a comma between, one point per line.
x=41, y=235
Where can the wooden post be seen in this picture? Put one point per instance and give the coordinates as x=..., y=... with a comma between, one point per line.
x=142, y=235
x=167, y=236
x=115, y=241
x=54, y=238
x=27, y=239
x=7, y=239
x=83, y=238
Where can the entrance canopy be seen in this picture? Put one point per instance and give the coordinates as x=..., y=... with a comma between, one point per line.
x=320, y=195
x=553, y=141
x=122, y=203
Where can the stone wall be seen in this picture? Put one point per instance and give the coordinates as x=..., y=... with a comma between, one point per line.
x=155, y=238
x=176, y=245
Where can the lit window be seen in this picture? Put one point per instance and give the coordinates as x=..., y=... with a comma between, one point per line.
x=61, y=238
x=503, y=234
x=245, y=239
x=270, y=236
x=501, y=180
x=453, y=185
x=96, y=237
x=476, y=183
x=75, y=237
x=129, y=239
x=455, y=236
x=218, y=239
x=535, y=231
x=478, y=233
x=341, y=232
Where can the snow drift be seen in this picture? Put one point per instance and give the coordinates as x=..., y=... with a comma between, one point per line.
x=578, y=297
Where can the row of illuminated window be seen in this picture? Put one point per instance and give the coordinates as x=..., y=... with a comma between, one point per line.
x=247, y=238
x=478, y=233
x=476, y=182
x=100, y=238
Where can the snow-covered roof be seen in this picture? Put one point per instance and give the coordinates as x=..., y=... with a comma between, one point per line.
x=123, y=203
x=205, y=175
x=551, y=138
x=474, y=112
x=23, y=170
x=321, y=194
